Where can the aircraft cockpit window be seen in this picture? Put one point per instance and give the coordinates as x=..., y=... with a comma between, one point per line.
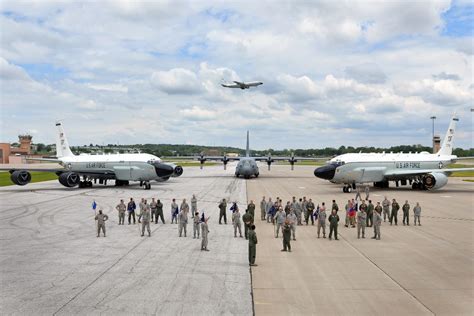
x=338, y=163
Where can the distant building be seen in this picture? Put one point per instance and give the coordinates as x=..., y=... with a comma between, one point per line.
x=16, y=155
x=436, y=143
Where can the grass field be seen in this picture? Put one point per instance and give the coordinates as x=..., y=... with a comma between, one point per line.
x=188, y=163
x=461, y=173
x=303, y=163
x=36, y=176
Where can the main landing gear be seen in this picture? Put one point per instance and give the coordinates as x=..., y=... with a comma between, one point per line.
x=146, y=184
x=348, y=188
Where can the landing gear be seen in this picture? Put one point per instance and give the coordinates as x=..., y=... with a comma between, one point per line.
x=347, y=189
x=256, y=175
x=418, y=186
x=147, y=185
x=237, y=175
x=85, y=184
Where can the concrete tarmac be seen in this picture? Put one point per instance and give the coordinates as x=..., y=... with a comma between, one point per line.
x=412, y=270
x=53, y=263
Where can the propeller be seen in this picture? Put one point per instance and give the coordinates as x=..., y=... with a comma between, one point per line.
x=269, y=161
x=202, y=160
x=292, y=161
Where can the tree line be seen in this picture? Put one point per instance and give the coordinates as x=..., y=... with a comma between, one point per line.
x=167, y=150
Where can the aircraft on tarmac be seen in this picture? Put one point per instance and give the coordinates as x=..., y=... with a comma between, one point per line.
x=119, y=167
x=423, y=171
x=241, y=85
x=247, y=165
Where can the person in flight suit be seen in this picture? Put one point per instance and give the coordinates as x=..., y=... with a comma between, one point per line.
x=145, y=216
x=417, y=213
x=131, y=206
x=196, y=223
x=263, y=208
x=101, y=219
x=386, y=209
x=370, y=214
x=361, y=221
x=237, y=222
x=174, y=212
x=222, y=209
x=322, y=220
x=121, y=208
x=406, y=213
x=153, y=208
x=252, y=245
x=333, y=222
x=309, y=213
x=286, y=236
x=394, y=215
x=159, y=212
x=204, y=233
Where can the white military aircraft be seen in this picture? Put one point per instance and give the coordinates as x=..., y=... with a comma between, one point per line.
x=247, y=166
x=424, y=171
x=119, y=167
x=241, y=85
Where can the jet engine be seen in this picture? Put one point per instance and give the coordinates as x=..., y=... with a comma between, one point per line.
x=20, y=177
x=178, y=170
x=69, y=179
x=434, y=181
x=170, y=170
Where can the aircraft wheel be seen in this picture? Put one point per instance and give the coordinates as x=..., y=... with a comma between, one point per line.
x=344, y=189
x=147, y=186
x=349, y=189
x=414, y=185
x=256, y=175
x=236, y=175
x=81, y=184
x=89, y=184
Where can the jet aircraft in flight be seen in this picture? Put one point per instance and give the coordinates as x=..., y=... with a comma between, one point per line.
x=242, y=85
x=423, y=171
x=119, y=167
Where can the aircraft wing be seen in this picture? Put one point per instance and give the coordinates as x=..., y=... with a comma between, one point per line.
x=44, y=159
x=230, y=85
x=417, y=172
x=34, y=169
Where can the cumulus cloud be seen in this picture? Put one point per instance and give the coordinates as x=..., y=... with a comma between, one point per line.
x=366, y=73
x=197, y=113
x=446, y=76
x=176, y=81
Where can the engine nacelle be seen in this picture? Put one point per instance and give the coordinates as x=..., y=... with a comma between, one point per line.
x=434, y=181
x=177, y=170
x=69, y=179
x=20, y=177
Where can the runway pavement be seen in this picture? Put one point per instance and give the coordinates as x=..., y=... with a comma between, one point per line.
x=52, y=263
x=412, y=270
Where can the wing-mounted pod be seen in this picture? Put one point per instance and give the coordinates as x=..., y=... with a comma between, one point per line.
x=20, y=177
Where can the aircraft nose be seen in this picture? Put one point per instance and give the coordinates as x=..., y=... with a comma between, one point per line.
x=163, y=170
x=325, y=172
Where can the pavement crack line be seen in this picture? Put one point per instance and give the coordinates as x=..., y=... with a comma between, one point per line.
x=102, y=274
x=388, y=275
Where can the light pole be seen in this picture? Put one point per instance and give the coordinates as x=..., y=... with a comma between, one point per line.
x=433, y=118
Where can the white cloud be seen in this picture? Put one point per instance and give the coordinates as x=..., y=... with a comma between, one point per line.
x=176, y=81
x=197, y=113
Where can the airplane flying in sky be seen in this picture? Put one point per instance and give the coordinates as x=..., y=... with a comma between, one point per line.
x=119, y=167
x=247, y=166
x=423, y=171
x=242, y=85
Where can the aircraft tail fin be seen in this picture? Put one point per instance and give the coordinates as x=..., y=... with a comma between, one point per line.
x=247, y=149
x=447, y=146
x=62, y=145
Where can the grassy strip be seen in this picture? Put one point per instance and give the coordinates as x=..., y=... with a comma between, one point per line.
x=303, y=163
x=468, y=180
x=188, y=163
x=36, y=176
x=461, y=173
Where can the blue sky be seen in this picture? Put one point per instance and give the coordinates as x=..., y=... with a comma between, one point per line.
x=356, y=73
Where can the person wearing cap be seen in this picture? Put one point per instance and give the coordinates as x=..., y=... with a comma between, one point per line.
x=252, y=245
x=248, y=221
x=101, y=219
x=378, y=209
x=204, y=233
x=280, y=220
x=145, y=216
x=292, y=221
